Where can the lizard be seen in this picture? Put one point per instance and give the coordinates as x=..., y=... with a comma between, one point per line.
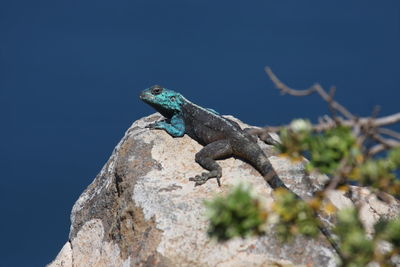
x=220, y=136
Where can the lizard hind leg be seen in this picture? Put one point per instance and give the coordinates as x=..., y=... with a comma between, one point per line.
x=206, y=158
x=263, y=135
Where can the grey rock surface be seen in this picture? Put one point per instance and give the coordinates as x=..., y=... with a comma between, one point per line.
x=142, y=210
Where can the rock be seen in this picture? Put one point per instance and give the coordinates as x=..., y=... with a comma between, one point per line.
x=142, y=210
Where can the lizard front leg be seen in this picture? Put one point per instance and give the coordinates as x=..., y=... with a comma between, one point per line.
x=175, y=127
x=206, y=158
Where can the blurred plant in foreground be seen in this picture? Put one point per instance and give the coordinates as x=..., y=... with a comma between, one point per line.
x=237, y=214
x=348, y=149
x=357, y=249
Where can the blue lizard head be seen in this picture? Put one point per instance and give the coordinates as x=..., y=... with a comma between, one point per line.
x=165, y=101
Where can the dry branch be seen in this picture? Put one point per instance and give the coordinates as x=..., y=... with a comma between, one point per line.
x=364, y=129
x=367, y=126
x=315, y=88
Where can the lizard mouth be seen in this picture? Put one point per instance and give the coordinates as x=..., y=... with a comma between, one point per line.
x=145, y=96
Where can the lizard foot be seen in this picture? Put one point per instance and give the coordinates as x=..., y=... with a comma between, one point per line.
x=205, y=176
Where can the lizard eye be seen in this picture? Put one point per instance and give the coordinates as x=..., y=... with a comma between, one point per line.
x=156, y=90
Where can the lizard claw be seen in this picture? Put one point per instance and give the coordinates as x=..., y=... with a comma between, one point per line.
x=150, y=126
x=204, y=177
x=154, y=125
x=218, y=181
x=198, y=179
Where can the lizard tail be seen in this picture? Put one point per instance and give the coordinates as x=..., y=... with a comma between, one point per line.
x=264, y=166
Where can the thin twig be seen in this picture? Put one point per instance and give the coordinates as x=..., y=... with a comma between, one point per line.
x=389, y=132
x=375, y=150
x=362, y=122
x=340, y=173
x=391, y=119
x=315, y=88
x=389, y=143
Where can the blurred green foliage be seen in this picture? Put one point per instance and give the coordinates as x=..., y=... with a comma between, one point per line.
x=329, y=149
x=237, y=214
x=380, y=173
x=325, y=150
x=294, y=216
x=356, y=248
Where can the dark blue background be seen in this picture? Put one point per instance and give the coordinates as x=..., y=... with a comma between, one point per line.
x=70, y=73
